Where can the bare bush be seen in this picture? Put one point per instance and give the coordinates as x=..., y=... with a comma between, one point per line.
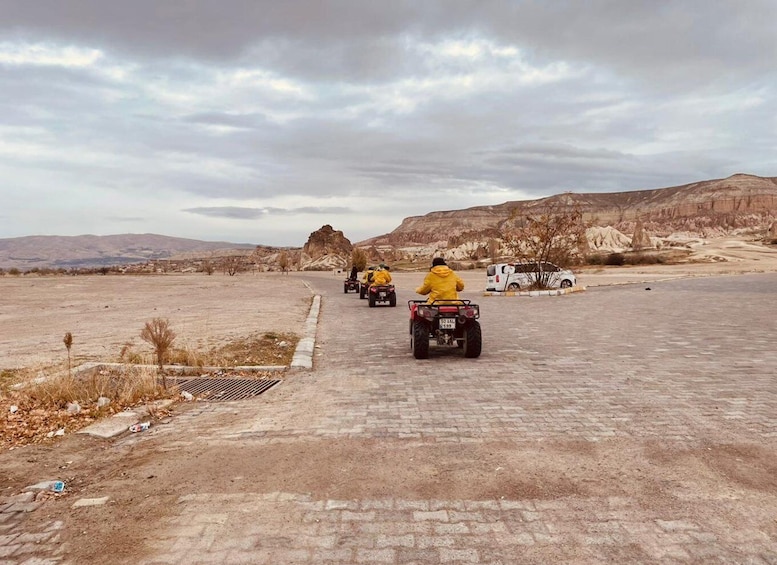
x=158, y=333
x=232, y=265
x=284, y=262
x=557, y=235
x=359, y=259
x=68, y=341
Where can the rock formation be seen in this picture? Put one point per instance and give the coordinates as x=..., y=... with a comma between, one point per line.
x=640, y=239
x=325, y=249
x=717, y=206
x=737, y=204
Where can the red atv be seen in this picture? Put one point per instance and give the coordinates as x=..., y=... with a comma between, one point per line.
x=382, y=293
x=351, y=285
x=448, y=322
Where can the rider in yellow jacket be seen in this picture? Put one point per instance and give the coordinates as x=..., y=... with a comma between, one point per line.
x=381, y=276
x=441, y=283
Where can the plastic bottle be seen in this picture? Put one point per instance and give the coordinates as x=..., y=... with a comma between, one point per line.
x=140, y=427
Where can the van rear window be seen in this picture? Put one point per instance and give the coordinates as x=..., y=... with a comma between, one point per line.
x=491, y=270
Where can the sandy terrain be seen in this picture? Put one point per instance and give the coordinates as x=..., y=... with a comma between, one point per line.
x=106, y=312
x=324, y=441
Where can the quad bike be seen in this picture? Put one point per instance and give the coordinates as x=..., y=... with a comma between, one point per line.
x=351, y=285
x=447, y=322
x=383, y=293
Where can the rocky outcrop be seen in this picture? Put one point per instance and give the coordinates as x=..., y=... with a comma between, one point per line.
x=739, y=202
x=771, y=234
x=640, y=239
x=607, y=238
x=325, y=249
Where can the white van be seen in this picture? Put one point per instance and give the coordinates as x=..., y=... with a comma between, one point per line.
x=521, y=276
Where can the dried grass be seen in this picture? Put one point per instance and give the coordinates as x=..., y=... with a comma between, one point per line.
x=38, y=410
x=124, y=386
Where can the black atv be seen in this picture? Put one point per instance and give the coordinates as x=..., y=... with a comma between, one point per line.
x=351, y=285
x=383, y=294
x=448, y=323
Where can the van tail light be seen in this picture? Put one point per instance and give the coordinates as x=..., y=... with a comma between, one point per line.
x=497, y=278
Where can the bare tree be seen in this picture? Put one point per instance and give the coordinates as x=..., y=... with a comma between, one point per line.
x=232, y=265
x=557, y=235
x=207, y=267
x=158, y=333
x=283, y=262
x=359, y=258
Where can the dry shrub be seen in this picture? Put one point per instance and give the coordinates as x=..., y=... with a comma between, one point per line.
x=160, y=335
x=187, y=356
x=129, y=355
x=270, y=348
x=124, y=386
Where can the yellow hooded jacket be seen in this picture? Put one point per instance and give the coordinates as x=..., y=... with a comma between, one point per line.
x=368, y=275
x=381, y=277
x=441, y=284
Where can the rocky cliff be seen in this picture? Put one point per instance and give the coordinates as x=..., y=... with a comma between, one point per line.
x=703, y=209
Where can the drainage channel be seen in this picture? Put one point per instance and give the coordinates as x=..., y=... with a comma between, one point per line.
x=218, y=390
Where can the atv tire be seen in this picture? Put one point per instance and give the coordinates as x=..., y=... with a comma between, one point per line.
x=419, y=340
x=372, y=300
x=362, y=291
x=393, y=300
x=473, y=340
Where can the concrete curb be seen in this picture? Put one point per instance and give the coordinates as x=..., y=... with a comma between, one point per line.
x=120, y=423
x=303, y=355
x=553, y=292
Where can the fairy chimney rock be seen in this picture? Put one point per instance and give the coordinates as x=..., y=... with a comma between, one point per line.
x=640, y=239
x=326, y=249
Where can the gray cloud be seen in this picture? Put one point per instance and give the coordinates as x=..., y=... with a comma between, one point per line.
x=246, y=213
x=248, y=110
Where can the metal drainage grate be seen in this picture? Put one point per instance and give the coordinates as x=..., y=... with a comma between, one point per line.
x=225, y=389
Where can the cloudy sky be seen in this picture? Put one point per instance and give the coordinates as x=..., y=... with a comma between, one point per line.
x=260, y=121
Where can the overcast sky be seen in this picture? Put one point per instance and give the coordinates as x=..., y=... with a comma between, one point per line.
x=259, y=121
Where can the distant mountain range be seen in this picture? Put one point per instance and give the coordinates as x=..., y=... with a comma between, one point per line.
x=710, y=208
x=53, y=251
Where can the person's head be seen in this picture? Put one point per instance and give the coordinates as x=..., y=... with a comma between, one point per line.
x=384, y=266
x=437, y=261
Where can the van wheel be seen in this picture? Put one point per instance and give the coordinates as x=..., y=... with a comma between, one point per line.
x=566, y=283
x=513, y=286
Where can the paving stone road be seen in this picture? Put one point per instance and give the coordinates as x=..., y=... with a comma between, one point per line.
x=670, y=367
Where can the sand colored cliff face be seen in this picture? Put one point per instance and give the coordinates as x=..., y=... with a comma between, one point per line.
x=716, y=207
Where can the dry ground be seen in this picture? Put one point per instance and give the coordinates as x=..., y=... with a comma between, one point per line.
x=104, y=313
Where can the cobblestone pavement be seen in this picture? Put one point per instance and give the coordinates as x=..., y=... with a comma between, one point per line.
x=685, y=365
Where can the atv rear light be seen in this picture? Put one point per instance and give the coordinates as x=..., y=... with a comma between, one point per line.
x=425, y=312
x=468, y=312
